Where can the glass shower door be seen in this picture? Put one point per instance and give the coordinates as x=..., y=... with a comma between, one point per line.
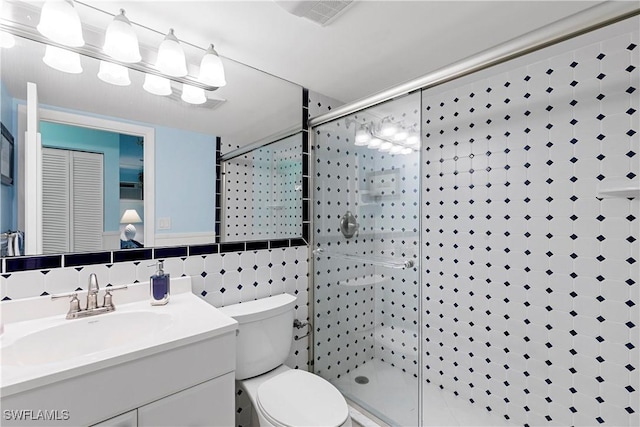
x=366, y=254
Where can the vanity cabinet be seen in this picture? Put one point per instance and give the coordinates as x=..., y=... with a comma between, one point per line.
x=190, y=383
x=208, y=404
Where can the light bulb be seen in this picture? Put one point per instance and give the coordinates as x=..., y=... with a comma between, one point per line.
x=62, y=60
x=59, y=22
x=114, y=74
x=120, y=41
x=157, y=85
x=211, y=69
x=7, y=40
x=362, y=136
x=193, y=95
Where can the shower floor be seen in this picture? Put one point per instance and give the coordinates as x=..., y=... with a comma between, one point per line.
x=392, y=394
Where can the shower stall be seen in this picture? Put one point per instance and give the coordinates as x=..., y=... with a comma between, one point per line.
x=366, y=257
x=476, y=236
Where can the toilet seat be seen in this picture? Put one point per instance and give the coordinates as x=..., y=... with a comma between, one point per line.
x=298, y=398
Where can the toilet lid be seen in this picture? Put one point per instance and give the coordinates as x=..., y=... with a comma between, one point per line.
x=297, y=398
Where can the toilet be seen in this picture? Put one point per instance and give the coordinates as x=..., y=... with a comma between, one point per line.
x=280, y=396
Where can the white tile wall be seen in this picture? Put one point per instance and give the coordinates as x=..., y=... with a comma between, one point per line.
x=262, y=275
x=530, y=282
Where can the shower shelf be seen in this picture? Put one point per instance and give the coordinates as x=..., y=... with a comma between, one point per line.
x=367, y=259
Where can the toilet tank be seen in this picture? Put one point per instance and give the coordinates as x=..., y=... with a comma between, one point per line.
x=265, y=332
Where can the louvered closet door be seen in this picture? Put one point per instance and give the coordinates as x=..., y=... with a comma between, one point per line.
x=86, y=201
x=56, y=199
x=72, y=193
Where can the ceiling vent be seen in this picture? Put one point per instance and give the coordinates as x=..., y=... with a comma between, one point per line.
x=321, y=12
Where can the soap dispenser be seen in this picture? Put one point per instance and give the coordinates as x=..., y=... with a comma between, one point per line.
x=160, y=286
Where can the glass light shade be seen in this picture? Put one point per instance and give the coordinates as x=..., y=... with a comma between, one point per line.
x=401, y=135
x=60, y=23
x=120, y=41
x=171, y=60
x=211, y=69
x=406, y=150
x=157, y=85
x=362, y=136
x=114, y=74
x=7, y=40
x=385, y=146
x=62, y=60
x=413, y=140
x=374, y=143
x=388, y=128
x=193, y=95
x=396, y=149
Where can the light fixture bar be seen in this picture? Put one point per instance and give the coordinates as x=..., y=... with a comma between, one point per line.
x=30, y=33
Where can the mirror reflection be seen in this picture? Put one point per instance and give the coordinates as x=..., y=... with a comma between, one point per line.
x=263, y=192
x=178, y=139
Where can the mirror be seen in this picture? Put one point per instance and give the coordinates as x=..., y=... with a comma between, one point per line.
x=262, y=192
x=182, y=208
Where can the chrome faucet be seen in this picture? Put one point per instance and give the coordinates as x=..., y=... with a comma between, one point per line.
x=92, y=294
x=75, y=312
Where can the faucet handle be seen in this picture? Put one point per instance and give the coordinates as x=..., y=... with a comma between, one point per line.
x=93, y=283
x=74, y=304
x=108, y=298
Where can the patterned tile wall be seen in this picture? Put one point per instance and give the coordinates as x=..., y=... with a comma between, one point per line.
x=220, y=279
x=530, y=294
x=263, y=192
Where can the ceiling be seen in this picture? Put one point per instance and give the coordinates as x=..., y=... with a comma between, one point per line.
x=372, y=46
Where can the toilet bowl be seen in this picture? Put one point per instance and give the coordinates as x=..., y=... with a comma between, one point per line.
x=280, y=396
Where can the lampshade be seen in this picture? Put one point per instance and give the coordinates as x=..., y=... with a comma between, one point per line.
x=114, y=74
x=120, y=41
x=7, y=40
x=171, y=59
x=60, y=22
x=193, y=95
x=211, y=69
x=62, y=60
x=130, y=216
x=157, y=85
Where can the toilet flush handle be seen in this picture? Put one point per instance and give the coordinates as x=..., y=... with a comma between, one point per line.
x=299, y=325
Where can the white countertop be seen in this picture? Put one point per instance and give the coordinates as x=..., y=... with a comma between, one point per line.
x=186, y=319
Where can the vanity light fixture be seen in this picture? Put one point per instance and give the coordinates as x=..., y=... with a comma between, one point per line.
x=157, y=85
x=211, y=69
x=59, y=22
x=375, y=143
x=7, y=40
x=193, y=95
x=171, y=60
x=62, y=60
x=114, y=74
x=120, y=40
x=385, y=146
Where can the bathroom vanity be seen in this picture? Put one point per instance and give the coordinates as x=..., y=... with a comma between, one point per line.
x=137, y=366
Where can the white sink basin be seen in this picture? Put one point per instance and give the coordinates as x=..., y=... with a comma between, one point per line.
x=84, y=337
